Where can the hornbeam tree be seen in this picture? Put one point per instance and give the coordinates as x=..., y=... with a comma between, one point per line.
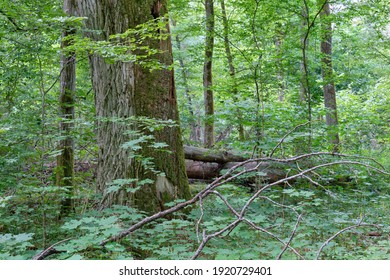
x=126, y=90
x=327, y=75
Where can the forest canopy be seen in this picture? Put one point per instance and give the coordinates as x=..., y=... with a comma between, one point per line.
x=188, y=129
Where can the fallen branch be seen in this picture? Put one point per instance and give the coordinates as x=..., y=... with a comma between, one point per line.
x=229, y=176
x=340, y=232
x=50, y=250
x=290, y=239
x=223, y=180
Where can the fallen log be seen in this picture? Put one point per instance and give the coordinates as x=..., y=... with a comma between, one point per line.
x=205, y=164
x=207, y=155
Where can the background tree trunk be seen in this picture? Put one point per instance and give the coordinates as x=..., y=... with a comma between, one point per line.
x=65, y=161
x=232, y=70
x=280, y=72
x=208, y=76
x=195, y=129
x=327, y=76
x=127, y=89
x=303, y=94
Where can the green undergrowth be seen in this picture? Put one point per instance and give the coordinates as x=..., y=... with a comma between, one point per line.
x=30, y=223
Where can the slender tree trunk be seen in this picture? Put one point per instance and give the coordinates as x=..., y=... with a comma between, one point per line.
x=195, y=133
x=126, y=89
x=208, y=76
x=232, y=70
x=279, y=65
x=65, y=161
x=327, y=76
x=305, y=86
x=304, y=43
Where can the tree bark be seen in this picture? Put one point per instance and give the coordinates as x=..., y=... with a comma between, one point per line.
x=65, y=161
x=327, y=76
x=206, y=164
x=207, y=155
x=208, y=75
x=126, y=89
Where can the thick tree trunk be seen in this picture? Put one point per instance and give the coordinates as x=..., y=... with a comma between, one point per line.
x=65, y=161
x=126, y=89
x=327, y=76
x=208, y=76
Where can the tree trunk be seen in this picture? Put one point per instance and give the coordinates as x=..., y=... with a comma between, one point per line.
x=279, y=63
x=208, y=76
x=327, y=76
x=126, y=89
x=232, y=70
x=304, y=43
x=195, y=133
x=65, y=161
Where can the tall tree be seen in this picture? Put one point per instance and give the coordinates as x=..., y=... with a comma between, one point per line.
x=327, y=76
x=208, y=75
x=126, y=89
x=232, y=69
x=195, y=127
x=279, y=65
x=65, y=161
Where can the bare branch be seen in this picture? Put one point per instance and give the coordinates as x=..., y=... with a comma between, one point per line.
x=360, y=224
x=285, y=136
x=200, y=218
x=225, y=178
x=245, y=208
x=206, y=238
x=274, y=236
x=49, y=251
x=291, y=238
x=278, y=204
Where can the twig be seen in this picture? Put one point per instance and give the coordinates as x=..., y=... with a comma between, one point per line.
x=274, y=236
x=206, y=238
x=285, y=136
x=360, y=224
x=255, y=226
x=278, y=204
x=317, y=184
x=290, y=239
x=200, y=218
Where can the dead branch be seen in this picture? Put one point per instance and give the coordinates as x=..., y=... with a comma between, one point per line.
x=230, y=175
x=360, y=224
x=290, y=239
x=50, y=250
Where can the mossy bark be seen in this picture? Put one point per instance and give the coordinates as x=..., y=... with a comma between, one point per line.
x=126, y=89
x=208, y=75
x=65, y=161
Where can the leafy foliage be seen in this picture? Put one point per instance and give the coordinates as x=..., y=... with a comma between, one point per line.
x=266, y=44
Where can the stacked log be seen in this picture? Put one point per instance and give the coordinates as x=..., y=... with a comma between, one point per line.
x=206, y=164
